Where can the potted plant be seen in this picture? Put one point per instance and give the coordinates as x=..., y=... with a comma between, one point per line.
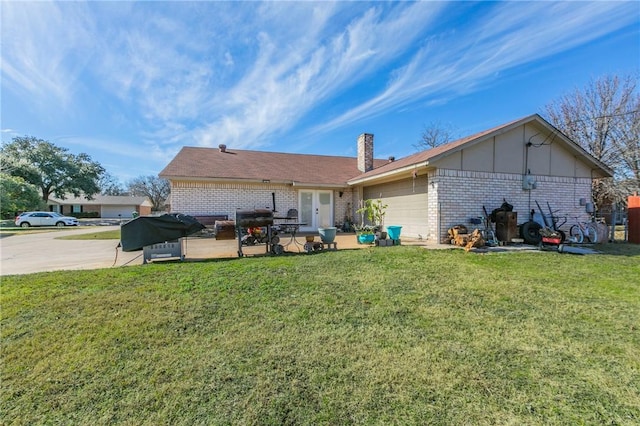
x=327, y=233
x=375, y=212
x=365, y=234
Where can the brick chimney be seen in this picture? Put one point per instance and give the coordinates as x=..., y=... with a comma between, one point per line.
x=365, y=152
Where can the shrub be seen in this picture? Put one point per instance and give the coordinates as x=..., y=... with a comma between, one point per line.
x=85, y=215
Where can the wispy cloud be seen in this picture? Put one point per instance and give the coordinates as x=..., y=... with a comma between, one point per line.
x=287, y=80
x=204, y=73
x=44, y=51
x=117, y=156
x=461, y=61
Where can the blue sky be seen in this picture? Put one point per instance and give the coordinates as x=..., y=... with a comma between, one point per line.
x=130, y=83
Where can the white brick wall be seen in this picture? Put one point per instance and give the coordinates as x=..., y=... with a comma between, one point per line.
x=460, y=196
x=454, y=197
x=206, y=198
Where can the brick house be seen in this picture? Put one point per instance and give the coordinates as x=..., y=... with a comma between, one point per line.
x=426, y=193
x=104, y=206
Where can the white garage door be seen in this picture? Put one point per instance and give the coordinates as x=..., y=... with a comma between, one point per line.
x=118, y=212
x=407, y=204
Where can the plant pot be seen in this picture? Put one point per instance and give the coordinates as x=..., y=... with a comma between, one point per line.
x=382, y=235
x=309, y=238
x=328, y=234
x=394, y=231
x=366, y=238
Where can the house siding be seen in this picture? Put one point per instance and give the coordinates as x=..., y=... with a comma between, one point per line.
x=509, y=153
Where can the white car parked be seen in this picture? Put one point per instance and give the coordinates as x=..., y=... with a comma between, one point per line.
x=28, y=219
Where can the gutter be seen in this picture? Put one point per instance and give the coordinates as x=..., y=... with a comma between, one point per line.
x=316, y=185
x=256, y=181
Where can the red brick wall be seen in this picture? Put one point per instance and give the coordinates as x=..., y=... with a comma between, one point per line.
x=144, y=210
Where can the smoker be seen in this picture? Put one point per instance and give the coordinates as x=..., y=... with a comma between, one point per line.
x=257, y=218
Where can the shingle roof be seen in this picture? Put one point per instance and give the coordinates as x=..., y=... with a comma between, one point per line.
x=211, y=163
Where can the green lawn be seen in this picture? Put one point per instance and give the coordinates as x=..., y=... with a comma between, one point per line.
x=113, y=234
x=395, y=335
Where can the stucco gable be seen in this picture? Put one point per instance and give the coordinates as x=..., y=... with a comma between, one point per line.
x=450, y=155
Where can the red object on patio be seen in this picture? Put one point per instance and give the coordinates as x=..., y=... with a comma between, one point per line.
x=634, y=218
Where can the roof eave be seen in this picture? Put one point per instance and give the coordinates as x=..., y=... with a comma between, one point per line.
x=257, y=181
x=401, y=170
x=319, y=185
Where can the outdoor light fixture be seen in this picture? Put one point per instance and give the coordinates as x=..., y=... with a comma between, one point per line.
x=266, y=180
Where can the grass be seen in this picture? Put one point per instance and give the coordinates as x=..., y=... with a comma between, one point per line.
x=100, y=235
x=396, y=335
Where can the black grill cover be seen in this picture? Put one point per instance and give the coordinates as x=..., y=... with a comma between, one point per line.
x=146, y=230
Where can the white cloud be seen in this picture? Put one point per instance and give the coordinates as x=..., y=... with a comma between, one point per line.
x=513, y=34
x=286, y=80
x=243, y=74
x=45, y=49
x=118, y=156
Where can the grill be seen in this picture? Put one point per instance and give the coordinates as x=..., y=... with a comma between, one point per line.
x=254, y=218
x=257, y=218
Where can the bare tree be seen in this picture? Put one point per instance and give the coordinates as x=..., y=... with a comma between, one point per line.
x=110, y=185
x=155, y=188
x=604, y=119
x=435, y=134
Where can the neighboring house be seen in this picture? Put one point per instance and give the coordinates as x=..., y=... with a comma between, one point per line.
x=106, y=206
x=426, y=193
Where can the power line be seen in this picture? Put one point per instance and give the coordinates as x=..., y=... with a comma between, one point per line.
x=604, y=116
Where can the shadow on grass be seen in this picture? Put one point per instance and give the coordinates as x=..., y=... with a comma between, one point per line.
x=285, y=255
x=619, y=249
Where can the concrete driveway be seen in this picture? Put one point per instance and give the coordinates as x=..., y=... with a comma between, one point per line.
x=44, y=251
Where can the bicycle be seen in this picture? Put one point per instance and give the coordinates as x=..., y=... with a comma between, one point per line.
x=580, y=230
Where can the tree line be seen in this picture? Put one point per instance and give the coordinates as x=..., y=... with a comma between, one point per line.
x=32, y=170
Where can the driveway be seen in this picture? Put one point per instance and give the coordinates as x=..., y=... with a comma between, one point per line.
x=44, y=251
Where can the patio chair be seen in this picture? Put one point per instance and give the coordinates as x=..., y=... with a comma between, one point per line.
x=290, y=224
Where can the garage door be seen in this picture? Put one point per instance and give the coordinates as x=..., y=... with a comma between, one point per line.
x=407, y=204
x=115, y=212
